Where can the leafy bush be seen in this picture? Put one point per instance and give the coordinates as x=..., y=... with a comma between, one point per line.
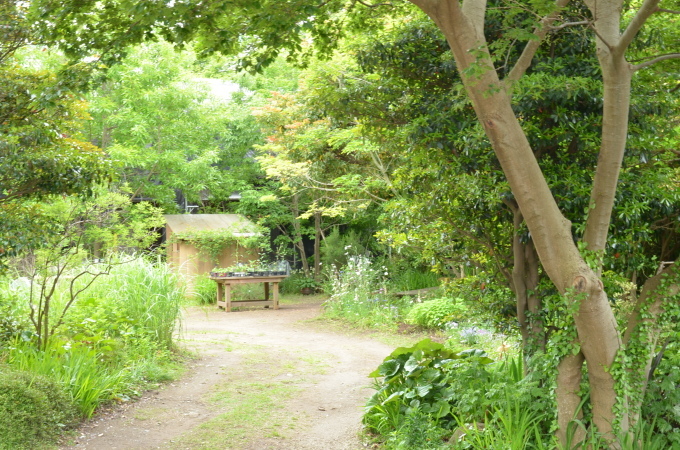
x=451, y=389
x=436, y=313
x=334, y=248
x=421, y=378
x=491, y=300
x=14, y=321
x=33, y=410
x=417, y=431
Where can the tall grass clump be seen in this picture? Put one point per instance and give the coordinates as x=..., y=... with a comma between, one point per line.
x=205, y=290
x=358, y=295
x=412, y=278
x=140, y=299
x=76, y=369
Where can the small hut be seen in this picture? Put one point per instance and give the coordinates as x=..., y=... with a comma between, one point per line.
x=197, y=243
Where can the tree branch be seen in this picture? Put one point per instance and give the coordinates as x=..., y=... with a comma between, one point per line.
x=655, y=60
x=648, y=8
x=372, y=6
x=540, y=31
x=569, y=24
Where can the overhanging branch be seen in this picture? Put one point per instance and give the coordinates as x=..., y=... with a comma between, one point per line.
x=655, y=60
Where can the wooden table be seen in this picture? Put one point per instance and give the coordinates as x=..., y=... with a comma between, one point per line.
x=224, y=285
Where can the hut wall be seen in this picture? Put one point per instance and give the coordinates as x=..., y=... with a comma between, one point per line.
x=190, y=263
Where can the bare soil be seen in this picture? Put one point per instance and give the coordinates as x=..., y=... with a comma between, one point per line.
x=321, y=373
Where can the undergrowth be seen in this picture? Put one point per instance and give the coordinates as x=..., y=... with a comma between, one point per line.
x=115, y=340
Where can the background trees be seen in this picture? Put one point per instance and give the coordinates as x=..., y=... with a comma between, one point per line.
x=42, y=151
x=171, y=131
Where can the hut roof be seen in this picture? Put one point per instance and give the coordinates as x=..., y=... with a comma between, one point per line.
x=181, y=223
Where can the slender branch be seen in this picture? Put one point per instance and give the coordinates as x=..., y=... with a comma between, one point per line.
x=609, y=46
x=540, y=31
x=507, y=55
x=569, y=24
x=648, y=8
x=669, y=11
x=368, y=5
x=656, y=60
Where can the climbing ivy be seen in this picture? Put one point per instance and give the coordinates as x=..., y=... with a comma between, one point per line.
x=210, y=243
x=631, y=360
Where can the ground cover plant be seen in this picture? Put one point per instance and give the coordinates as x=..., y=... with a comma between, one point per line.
x=116, y=340
x=450, y=391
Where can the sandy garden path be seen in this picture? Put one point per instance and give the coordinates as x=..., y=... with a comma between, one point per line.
x=263, y=379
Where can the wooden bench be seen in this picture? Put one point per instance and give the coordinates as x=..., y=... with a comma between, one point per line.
x=224, y=296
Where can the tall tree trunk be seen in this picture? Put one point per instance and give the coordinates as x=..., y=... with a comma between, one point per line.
x=317, y=244
x=551, y=232
x=525, y=283
x=568, y=400
x=297, y=234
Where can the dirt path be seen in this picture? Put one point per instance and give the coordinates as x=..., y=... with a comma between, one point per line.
x=264, y=379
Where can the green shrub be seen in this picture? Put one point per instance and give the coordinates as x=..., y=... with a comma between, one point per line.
x=14, y=322
x=491, y=300
x=292, y=283
x=418, y=431
x=421, y=378
x=436, y=313
x=335, y=248
x=442, y=389
x=33, y=410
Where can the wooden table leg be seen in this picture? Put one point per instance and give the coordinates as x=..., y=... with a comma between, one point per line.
x=227, y=293
x=266, y=290
x=276, y=295
x=219, y=294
